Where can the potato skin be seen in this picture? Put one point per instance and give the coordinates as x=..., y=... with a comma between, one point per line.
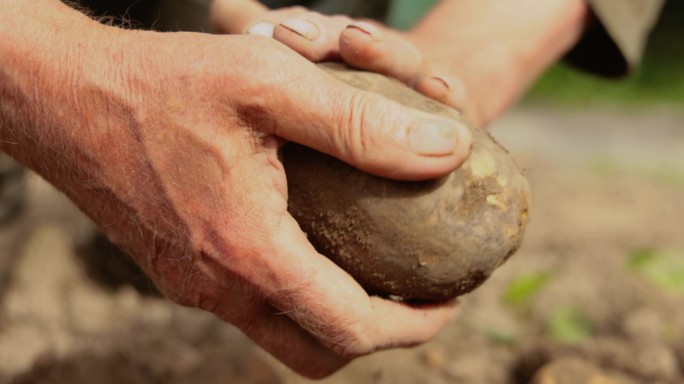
x=419, y=241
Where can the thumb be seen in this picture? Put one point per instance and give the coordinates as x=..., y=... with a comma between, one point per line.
x=373, y=133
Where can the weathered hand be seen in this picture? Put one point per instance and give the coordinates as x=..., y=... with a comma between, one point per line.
x=365, y=44
x=170, y=143
x=477, y=56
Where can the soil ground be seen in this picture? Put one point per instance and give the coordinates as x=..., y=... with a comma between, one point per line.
x=597, y=289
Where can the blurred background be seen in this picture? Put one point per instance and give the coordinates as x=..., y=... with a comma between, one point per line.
x=595, y=295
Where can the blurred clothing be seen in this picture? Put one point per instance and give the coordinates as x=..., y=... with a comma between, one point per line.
x=615, y=41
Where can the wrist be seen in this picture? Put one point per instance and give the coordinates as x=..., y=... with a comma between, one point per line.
x=66, y=106
x=498, y=47
x=48, y=53
x=59, y=70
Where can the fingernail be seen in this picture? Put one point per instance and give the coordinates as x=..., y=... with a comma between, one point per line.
x=444, y=81
x=263, y=28
x=303, y=28
x=431, y=135
x=368, y=29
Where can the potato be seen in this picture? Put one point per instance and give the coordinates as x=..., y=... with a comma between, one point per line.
x=417, y=241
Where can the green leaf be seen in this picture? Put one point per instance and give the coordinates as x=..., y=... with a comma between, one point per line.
x=502, y=338
x=641, y=258
x=569, y=325
x=520, y=291
x=664, y=269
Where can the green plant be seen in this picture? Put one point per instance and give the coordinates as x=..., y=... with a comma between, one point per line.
x=520, y=292
x=569, y=325
x=663, y=268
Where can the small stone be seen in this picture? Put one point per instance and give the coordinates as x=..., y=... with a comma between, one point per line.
x=571, y=371
x=467, y=369
x=91, y=311
x=20, y=346
x=644, y=324
x=656, y=361
x=158, y=314
x=40, y=278
x=434, y=358
x=128, y=302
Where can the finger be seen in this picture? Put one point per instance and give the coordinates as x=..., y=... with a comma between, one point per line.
x=234, y=295
x=313, y=35
x=367, y=130
x=233, y=16
x=295, y=347
x=445, y=89
x=330, y=305
x=273, y=330
x=370, y=47
x=266, y=24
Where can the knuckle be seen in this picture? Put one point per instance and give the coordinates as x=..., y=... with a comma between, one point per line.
x=360, y=130
x=352, y=343
x=354, y=130
x=353, y=336
x=354, y=347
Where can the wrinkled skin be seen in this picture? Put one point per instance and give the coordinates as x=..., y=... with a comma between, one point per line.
x=169, y=142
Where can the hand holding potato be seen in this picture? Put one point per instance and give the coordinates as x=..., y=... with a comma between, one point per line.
x=170, y=143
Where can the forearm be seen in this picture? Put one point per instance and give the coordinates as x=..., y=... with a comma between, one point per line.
x=62, y=113
x=44, y=52
x=498, y=47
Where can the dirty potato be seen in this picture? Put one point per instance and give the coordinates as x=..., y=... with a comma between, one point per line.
x=418, y=241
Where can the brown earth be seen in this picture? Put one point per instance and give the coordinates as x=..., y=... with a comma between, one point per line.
x=592, y=296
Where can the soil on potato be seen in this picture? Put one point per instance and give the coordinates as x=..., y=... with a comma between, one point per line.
x=595, y=293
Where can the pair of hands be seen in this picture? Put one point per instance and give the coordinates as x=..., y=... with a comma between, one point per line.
x=313, y=316
x=170, y=143
x=299, y=306
x=262, y=275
